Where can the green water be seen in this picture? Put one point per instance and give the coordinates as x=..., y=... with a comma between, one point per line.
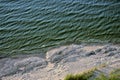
x=34, y=26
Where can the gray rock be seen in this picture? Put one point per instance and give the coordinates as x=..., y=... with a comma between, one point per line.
x=13, y=66
x=71, y=58
x=56, y=59
x=8, y=68
x=109, y=49
x=56, y=55
x=117, y=55
x=111, y=54
x=30, y=63
x=98, y=50
x=89, y=53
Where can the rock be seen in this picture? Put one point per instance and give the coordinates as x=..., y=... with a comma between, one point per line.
x=117, y=55
x=98, y=50
x=64, y=60
x=30, y=63
x=8, y=68
x=13, y=66
x=110, y=54
x=109, y=49
x=56, y=55
x=71, y=58
x=56, y=59
x=89, y=53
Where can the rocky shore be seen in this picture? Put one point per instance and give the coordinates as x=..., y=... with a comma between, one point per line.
x=59, y=62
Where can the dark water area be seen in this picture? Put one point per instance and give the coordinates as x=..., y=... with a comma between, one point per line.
x=33, y=26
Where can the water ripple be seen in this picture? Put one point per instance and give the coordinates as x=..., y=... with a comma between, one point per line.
x=34, y=26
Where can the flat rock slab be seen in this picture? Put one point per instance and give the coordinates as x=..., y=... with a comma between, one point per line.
x=62, y=61
x=12, y=66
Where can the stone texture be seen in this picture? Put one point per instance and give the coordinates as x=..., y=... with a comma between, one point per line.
x=56, y=55
x=61, y=61
x=13, y=66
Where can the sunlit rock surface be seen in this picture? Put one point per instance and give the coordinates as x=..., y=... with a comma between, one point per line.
x=59, y=62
